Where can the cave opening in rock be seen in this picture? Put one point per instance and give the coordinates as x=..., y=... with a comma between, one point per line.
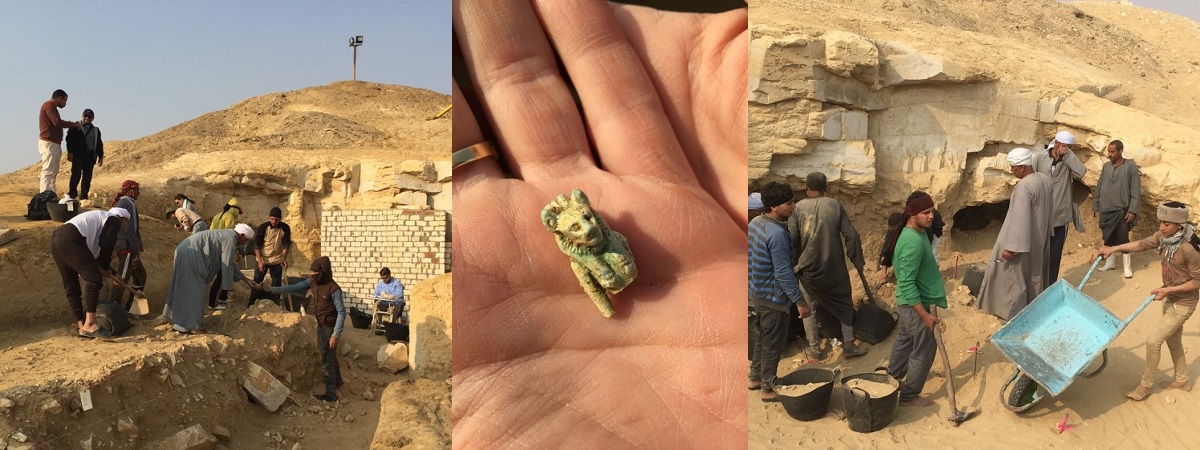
x=978, y=217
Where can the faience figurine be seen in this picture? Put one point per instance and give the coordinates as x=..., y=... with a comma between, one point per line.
x=600, y=257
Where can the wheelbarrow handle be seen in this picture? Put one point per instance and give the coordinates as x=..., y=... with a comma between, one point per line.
x=1089, y=272
x=1138, y=310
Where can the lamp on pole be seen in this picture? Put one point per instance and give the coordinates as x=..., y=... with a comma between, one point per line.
x=355, y=41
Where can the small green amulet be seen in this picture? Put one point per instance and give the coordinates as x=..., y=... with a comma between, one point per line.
x=600, y=257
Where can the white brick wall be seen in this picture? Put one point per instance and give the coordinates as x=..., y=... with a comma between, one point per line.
x=414, y=244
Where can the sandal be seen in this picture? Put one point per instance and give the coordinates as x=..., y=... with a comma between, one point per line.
x=100, y=333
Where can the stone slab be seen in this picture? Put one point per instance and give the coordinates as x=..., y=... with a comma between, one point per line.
x=268, y=391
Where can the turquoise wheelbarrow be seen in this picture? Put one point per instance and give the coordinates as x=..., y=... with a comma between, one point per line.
x=1054, y=339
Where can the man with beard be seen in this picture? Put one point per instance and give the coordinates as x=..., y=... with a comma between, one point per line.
x=773, y=287
x=1017, y=270
x=817, y=229
x=1117, y=202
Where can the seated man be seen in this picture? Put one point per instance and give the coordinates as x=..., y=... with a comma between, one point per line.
x=391, y=291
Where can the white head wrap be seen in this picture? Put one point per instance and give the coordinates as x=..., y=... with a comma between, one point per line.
x=1020, y=156
x=119, y=212
x=1065, y=137
x=244, y=230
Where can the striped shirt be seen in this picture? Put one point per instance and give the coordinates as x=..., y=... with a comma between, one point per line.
x=770, y=267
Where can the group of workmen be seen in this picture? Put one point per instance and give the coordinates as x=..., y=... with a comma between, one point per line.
x=83, y=248
x=795, y=262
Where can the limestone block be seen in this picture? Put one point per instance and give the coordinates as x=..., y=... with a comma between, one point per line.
x=267, y=390
x=443, y=201
x=1025, y=108
x=1048, y=107
x=1012, y=129
x=850, y=162
x=421, y=169
x=194, y=437
x=825, y=125
x=392, y=358
x=854, y=126
x=1143, y=156
x=902, y=64
x=413, y=198
x=409, y=182
x=850, y=55
x=851, y=93
x=444, y=171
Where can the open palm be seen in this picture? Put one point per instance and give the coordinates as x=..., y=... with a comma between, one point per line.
x=535, y=364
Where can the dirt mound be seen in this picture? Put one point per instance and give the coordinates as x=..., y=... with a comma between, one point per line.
x=430, y=314
x=342, y=115
x=416, y=414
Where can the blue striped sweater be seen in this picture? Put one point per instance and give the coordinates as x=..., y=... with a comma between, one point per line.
x=770, y=268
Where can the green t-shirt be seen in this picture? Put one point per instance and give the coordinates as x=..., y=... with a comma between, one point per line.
x=918, y=279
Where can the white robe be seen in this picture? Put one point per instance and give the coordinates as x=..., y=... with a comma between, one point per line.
x=1009, y=286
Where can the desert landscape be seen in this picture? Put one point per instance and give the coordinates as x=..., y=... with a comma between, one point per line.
x=891, y=96
x=347, y=146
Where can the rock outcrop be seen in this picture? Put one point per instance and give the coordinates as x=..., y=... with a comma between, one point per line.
x=884, y=110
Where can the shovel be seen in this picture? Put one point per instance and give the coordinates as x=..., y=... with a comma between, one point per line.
x=957, y=416
x=867, y=287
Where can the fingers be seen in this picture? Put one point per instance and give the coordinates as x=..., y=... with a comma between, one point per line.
x=522, y=94
x=466, y=133
x=621, y=105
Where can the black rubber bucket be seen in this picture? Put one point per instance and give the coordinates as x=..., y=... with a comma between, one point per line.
x=112, y=318
x=866, y=414
x=812, y=405
x=62, y=212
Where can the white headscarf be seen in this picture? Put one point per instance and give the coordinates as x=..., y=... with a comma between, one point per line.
x=244, y=230
x=1020, y=156
x=119, y=212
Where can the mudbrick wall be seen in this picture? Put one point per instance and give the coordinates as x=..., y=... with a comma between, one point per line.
x=414, y=244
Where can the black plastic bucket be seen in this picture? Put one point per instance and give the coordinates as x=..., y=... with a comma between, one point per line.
x=62, y=212
x=812, y=405
x=867, y=414
x=112, y=317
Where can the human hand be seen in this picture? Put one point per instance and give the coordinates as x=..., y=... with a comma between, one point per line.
x=930, y=320
x=260, y=266
x=1007, y=255
x=1161, y=292
x=805, y=310
x=1129, y=217
x=1104, y=251
x=671, y=342
x=333, y=342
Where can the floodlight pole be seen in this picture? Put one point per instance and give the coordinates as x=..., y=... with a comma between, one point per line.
x=355, y=41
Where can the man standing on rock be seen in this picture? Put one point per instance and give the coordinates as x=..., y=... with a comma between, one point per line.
x=817, y=229
x=1063, y=167
x=85, y=151
x=129, y=244
x=1117, y=201
x=50, y=136
x=1179, y=250
x=330, y=313
x=919, y=289
x=1018, y=269
x=271, y=244
x=773, y=287
x=198, y=259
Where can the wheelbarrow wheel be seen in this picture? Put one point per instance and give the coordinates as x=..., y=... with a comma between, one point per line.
x=1023, y=392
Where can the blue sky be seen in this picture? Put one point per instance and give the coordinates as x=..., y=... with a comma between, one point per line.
x=145, y=65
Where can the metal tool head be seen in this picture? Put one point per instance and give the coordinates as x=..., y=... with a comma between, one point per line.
x=961, y=416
